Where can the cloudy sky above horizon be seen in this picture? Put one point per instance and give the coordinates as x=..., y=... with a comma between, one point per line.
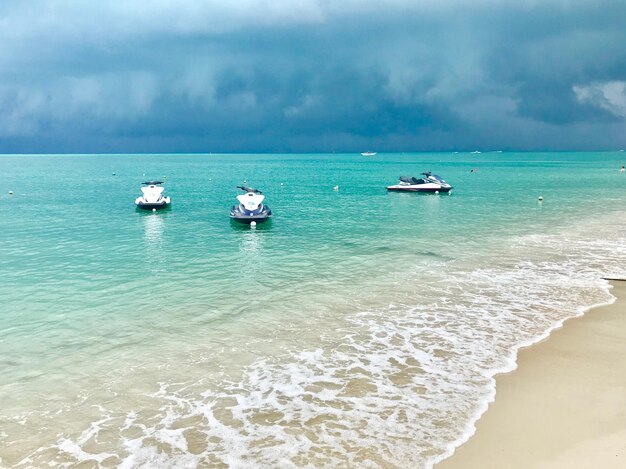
x=311, y=75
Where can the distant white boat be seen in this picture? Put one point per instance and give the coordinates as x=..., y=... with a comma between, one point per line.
x=476, y=151
x=368, y=153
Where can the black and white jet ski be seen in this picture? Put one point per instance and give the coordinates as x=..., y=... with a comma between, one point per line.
x=152, y=198
x=428, y=183
x=250, y=208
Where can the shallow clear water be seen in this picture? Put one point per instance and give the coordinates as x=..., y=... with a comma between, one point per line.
x=357, y=328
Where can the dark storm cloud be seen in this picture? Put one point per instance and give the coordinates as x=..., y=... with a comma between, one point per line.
x=311, y=75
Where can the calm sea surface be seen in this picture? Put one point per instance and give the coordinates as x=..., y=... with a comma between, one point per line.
x=358, y=328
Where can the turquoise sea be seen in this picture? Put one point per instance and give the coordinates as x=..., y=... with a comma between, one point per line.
x=358, y=328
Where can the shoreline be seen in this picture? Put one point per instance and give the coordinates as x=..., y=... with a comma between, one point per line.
x=564, y=405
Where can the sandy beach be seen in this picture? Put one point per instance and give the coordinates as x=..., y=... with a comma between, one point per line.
x=564, y=406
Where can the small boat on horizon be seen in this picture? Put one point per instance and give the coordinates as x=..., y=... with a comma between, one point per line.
x=368, y=153
x=251, y=208
x=152, y=198
x=429, y=183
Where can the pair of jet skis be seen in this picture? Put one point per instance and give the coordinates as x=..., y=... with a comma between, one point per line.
x=250, y=209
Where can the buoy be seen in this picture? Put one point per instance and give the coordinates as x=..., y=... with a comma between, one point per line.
x=210, y=179
x=436, y=192
x=113, y=174
x=154, y=209
x=10, y=192
x=164, y=177
x=540, y=199
x=252, y=224
x=281, y=184
x=245, y=182
x=335, y=188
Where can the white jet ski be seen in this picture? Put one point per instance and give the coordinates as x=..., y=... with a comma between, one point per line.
x=152, y=198
x=251, y=207
x=428, y=183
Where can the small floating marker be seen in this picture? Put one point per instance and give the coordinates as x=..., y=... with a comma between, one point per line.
x=10, y=192
x=436, y=192
x=113, y=174
x=281, y=184
x=335, y=188
x=540, y=199
x=154, y=209
x=245, y=182
x=210, y=179
x=164, y=177
x=252, y=224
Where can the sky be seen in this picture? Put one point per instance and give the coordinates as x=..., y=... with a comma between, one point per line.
x=116, y=76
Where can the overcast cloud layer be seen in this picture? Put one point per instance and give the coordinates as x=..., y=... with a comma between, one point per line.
x=311, y=75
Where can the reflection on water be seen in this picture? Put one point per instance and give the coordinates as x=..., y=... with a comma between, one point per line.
x=153, y=237
x=251, y=252
x=251, y=242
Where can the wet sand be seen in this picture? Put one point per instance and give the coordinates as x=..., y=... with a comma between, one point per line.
x=565, y=405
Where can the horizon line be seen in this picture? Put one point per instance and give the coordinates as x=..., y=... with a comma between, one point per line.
x=475, y=151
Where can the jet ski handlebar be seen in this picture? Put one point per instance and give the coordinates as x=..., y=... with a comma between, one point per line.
x=249, y=189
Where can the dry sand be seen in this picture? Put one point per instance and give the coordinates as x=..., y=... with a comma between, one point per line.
x=565, y=405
